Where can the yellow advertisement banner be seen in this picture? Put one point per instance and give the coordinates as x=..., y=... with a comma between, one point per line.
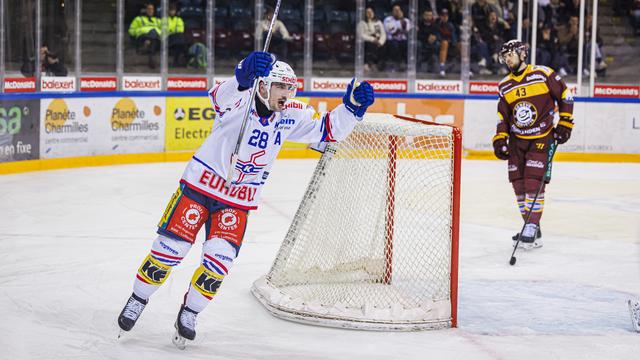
x=189, y=122
x=189, y=119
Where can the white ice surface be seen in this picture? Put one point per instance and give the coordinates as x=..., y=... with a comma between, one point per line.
x=71, y=241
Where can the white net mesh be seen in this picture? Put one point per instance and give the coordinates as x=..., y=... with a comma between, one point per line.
x=371, y=244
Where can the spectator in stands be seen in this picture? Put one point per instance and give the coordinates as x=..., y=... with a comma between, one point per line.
x=51, y=63
x=280, y=36
x=429, y=40
x=177, y=42
x=455, y=16
x=494, y=34
x=548, y=51
x=480, y=55
x=572, y=8
x=448, y=39
x=601, y=65
x=568, y=42
x=397, y=27
x=374, y=37
x=527, y=15
x=555, y=14
x=145, y=30
x=507, y=17
x=480, y=13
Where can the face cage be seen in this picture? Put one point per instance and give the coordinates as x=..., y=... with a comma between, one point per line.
x=501, y=56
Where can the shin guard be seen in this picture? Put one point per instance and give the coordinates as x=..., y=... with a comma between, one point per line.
x=156, y=267
x=217, y=258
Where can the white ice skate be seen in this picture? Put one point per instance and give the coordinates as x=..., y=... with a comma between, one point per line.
x=634, y=310
x=530, y=238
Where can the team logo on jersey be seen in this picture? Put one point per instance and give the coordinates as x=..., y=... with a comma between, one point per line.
x=251, y=166
x=525, y=114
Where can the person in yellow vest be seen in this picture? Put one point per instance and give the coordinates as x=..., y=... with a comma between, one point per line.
x=145, y=30
x=177, y=41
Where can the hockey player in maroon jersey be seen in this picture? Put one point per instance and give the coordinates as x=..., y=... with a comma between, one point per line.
x=528, y=97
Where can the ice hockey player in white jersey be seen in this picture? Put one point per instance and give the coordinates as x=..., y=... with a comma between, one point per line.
x=203, y=197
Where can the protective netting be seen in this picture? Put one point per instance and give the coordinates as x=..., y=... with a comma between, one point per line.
x=371, y=243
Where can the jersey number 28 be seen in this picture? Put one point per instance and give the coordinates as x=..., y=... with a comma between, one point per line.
x=259, y=139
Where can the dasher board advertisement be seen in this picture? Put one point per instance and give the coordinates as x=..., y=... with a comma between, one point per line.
x=75, y=127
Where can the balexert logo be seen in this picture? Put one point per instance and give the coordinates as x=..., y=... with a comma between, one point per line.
x=616, y=91
x=328, y=85
x=58, y=84
x=141, y=83
x=439, y=87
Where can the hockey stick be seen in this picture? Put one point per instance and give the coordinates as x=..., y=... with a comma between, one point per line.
x=545, y=178
x=243, y=128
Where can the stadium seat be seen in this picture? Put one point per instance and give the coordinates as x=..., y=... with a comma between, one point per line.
x=296, y=46
x=193, y=17
x=195, y=35
x=242, y=42
x=223, y=42
x=343, y=46
x=241, y=18
x=221, y=14
x=321, y=48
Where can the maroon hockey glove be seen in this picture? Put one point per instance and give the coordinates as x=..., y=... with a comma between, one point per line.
x=563, y=130
x=500, y=147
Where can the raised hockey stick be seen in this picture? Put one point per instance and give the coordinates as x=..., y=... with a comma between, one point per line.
x=545, y=178
x=243, y=128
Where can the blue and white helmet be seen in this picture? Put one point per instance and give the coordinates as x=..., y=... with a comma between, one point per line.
x=280, y=73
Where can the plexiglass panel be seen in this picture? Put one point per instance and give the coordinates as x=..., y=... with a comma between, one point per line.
x=142, y=38
x=99, y=36
x=234, y=34
x=20, y=37
x=334, y=30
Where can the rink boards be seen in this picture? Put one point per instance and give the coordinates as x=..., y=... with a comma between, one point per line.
x=45, y=131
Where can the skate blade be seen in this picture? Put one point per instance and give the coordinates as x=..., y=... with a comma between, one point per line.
x=179, y=341
x=634, y=311
x=530, y=246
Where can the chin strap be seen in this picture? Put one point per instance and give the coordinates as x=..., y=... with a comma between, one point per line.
x=265, y=101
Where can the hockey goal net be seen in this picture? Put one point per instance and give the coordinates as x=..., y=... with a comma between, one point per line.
x=374, y=242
